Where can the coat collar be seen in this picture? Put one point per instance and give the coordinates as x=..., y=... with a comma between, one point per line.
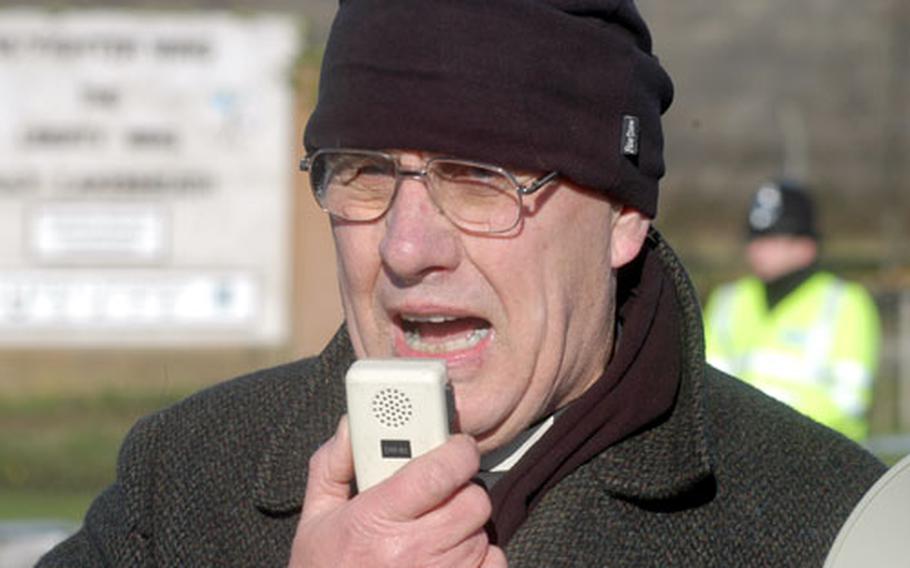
x=672, y=457
x=663, y=462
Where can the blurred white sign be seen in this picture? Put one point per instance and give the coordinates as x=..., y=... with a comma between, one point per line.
x=93, y=232
x=145, y=177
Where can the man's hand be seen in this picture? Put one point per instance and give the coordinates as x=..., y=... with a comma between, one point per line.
x=428, y=514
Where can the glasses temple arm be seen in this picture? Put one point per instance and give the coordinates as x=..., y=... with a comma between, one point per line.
x=538, y=183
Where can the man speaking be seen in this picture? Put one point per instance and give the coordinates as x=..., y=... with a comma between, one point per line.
x=490, y=171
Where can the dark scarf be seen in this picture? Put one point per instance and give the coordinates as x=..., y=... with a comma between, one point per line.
x=637, y=388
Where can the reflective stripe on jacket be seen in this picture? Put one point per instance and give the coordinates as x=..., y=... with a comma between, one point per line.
x=816, y=350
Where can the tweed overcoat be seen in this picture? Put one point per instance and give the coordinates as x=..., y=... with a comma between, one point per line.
x=729, y=478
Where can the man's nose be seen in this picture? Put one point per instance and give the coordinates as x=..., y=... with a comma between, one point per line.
x=419, y=239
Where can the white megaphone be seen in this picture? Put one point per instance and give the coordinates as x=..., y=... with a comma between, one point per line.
x=877, y=532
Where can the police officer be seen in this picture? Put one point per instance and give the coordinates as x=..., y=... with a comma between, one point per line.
x=799, y=333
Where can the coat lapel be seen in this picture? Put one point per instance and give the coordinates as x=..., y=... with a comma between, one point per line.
x=314, y=406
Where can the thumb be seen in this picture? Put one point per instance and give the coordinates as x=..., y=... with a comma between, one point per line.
x=495, y=558
x=331, y=471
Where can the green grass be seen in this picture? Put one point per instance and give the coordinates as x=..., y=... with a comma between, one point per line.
x=33, y=504
x=57, y=453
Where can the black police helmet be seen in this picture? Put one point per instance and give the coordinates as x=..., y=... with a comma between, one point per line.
x=782, y=207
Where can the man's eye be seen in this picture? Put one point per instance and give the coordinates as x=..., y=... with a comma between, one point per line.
x=481, y=174
x=373, y=170
x=467, y=173
x=361, y=173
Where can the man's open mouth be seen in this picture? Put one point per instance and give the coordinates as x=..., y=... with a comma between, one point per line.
x=436, y=334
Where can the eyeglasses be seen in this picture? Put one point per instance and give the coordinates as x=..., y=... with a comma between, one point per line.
x=360, y=185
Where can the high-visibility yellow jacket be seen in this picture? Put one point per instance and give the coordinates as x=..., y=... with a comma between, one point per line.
x=816, y=350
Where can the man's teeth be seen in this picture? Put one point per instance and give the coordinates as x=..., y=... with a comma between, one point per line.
x=429, y=319
x=414, y=340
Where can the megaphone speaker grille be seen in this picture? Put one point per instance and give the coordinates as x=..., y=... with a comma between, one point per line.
x=392, y=408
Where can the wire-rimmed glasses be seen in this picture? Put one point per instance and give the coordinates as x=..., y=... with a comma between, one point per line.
x=360, y=185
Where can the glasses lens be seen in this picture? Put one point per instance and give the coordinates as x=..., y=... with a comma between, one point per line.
x=475, y=196
x=352, y=185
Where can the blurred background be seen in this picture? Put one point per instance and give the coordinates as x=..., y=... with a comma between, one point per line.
x=156, y=237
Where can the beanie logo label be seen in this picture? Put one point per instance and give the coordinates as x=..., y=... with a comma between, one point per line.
x=630, y=135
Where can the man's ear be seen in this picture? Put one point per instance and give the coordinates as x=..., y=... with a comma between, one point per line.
x=630, y=228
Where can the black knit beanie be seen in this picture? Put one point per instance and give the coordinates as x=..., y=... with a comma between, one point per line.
x=566, y=85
